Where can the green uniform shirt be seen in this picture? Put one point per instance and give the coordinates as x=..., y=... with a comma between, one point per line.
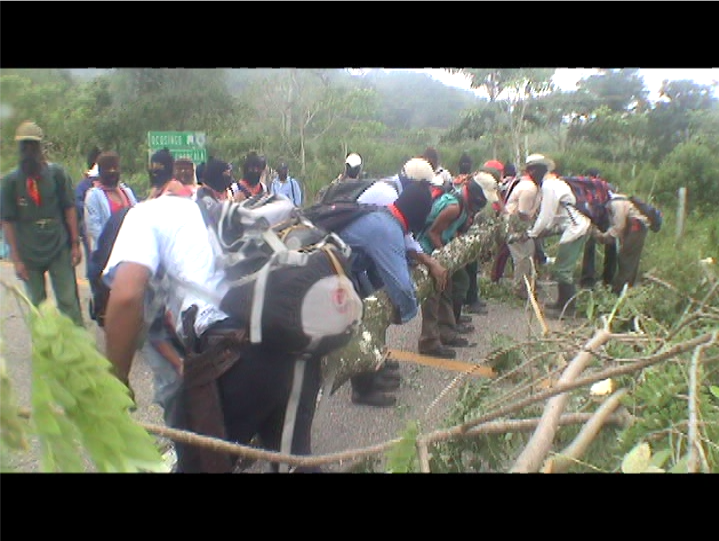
x=40, y=231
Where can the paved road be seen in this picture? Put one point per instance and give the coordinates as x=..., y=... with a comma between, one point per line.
x=339, y=424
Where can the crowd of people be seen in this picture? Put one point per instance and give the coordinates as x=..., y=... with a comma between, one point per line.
x=48, y=219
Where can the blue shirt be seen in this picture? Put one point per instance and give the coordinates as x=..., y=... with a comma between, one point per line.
x=377, y=242
x=290, y=188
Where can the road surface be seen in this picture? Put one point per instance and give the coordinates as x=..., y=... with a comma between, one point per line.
x=339, y=425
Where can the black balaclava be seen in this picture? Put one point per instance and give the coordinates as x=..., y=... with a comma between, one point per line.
x=107, y=178
x=465, y=165
x=214, y=175
x=477, y=199
x=31, y=160
x=92, y=156
x=159, y=177
x=200, y=171
x=252, y=168
x=415, y=204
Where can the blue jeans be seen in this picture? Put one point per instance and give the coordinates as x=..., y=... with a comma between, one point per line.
x=166, y=383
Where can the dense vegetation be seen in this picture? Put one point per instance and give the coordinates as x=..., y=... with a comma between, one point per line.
x=312, y=118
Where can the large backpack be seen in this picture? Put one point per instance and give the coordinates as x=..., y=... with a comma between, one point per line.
x=287, y=280
x=346, y=190
x=592, y=196
x=652, y=213
x=339, y=207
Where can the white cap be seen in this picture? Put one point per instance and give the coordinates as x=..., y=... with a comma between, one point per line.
x=418, y=169
x=489, y=186
x=353, y=160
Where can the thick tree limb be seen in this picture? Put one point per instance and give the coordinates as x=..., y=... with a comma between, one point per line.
x=530, y=460
x=367, y=350
x=575, y=450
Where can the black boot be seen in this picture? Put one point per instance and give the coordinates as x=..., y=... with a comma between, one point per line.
x=565, y=298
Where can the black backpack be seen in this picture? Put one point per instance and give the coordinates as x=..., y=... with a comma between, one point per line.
x=339, y=207
x=347, y=191
x=98, y=260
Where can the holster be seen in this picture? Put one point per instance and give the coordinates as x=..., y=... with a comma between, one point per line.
x=219, y=350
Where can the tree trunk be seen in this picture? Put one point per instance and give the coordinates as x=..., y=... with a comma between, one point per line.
x=367, y=348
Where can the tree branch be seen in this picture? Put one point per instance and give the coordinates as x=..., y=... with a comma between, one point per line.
x=574, y=451
x=539, y=445
x=367, y=349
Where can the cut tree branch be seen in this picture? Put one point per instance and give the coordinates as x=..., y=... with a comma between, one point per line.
x=367, y=350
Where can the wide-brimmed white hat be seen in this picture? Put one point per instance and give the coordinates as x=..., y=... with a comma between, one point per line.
x=542, y=160
x=489, y=186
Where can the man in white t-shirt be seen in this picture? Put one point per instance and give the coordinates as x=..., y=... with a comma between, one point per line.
x=162, y=243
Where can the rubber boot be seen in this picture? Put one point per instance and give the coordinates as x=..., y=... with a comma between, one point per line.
x=566, y=292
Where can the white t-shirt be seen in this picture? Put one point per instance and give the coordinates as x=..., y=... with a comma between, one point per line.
x=168, y=233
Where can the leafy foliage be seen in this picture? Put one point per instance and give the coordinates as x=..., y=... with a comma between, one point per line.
x=77, y=403
x=12, y=428
x=402, y=458
x=659, y=402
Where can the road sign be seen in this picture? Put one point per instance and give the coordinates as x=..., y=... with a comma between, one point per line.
x=181, y=144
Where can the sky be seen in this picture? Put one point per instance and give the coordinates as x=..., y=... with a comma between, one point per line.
x=566, y=78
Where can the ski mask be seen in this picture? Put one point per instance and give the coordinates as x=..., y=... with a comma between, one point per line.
x=252, y=168
x=415, y=204
x=161, y=167
x=30, y=158
x=108, y=166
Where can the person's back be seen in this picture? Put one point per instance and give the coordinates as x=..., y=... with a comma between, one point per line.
x=163, y=247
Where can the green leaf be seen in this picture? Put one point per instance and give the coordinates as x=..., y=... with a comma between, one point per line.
x=661, y=457
x=403, y=455
x=682, y=466
x=714, y=390
x=637, y=460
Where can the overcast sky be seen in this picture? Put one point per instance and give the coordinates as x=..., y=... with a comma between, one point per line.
x=566, y=78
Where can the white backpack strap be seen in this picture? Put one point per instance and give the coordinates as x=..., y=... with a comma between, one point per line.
x=293, y=402
x=258, y=302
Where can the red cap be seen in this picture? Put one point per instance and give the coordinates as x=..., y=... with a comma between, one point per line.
x=495, y=165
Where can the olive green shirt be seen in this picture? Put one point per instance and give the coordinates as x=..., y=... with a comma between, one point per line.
x=40, y=231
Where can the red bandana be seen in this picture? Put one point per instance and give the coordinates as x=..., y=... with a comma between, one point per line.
x=397, y=214
x=32, y=190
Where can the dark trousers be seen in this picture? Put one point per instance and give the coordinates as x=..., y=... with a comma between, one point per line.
x=363, y=383
x=64, y=285
x=473, y=290
x=254, y=394
x=629, y=255
x=588, y=275
x=438, y=321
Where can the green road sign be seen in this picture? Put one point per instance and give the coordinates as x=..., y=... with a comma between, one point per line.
x=182, y=144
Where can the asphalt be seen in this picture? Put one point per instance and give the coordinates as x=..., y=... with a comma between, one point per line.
x=339, y=424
